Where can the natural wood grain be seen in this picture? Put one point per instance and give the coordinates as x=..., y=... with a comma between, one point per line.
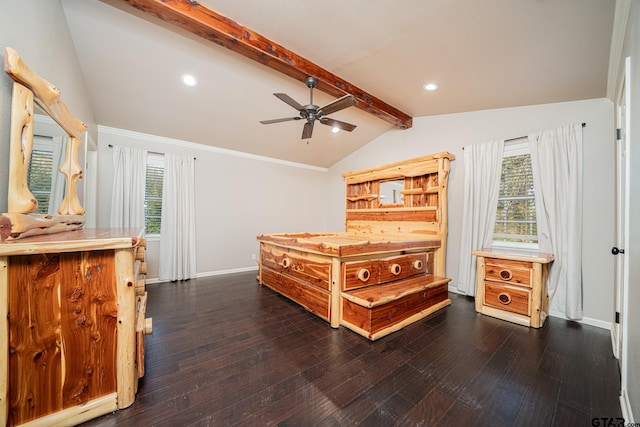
x=313, y=299
x=20, y=199
x=512, y=285
x=63, y=298
x=73, y=171
x=391, y=254
x=379, y=270
x=85, y=239
x=305, y=266
x=210, y=25
x=62, y=332
x=15, y=226
x=4, y=339
x=46, y=94
x=126, y=375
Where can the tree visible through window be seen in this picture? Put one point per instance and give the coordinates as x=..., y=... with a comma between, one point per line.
x=516, y=212
x=40, y=172
x=153, y=193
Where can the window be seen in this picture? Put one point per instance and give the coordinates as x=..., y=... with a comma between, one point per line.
x=40, y=172
x=153, y=193
x=516, y=213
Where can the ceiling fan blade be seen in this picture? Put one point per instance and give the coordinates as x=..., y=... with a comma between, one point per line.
x=338, y=104
x=287, y=99
x=337, y=123
x=307, y=130
x=286, y=119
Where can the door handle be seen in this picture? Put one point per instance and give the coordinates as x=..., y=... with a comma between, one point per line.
x=616, y=251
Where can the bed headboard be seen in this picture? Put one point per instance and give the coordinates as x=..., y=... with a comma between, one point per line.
x=404, y=200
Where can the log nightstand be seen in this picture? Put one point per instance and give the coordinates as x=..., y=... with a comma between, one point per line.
x=512, y=285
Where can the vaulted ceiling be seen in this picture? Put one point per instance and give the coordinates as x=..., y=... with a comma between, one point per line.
x=483, y=54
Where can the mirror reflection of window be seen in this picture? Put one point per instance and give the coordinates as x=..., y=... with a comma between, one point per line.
x=391, y=192
x=45, y=183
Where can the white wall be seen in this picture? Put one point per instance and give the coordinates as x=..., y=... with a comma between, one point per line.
x=38, y=31
x=453, y=131
x=238, y=196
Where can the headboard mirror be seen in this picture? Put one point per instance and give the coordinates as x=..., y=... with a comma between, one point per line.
x=30, y=90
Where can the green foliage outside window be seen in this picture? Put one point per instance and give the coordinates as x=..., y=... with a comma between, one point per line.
x=516, y=213
x=153, y=195
x=39, y=178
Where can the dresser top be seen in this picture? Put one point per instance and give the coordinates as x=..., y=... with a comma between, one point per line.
x=515, y=255
x=89, y=239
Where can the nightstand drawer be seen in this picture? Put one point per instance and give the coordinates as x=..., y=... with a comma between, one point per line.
x=507, y=297
x=515, y=272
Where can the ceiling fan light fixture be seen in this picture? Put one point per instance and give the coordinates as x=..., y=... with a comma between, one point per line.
x=312, y=113
x=189, y=80
x=431, y=86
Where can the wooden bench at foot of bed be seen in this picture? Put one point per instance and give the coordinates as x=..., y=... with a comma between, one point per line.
x=376, y=311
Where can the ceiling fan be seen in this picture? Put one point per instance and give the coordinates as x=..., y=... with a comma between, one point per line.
x=312, y=112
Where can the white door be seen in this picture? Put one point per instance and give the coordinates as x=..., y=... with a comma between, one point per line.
x=621, y=218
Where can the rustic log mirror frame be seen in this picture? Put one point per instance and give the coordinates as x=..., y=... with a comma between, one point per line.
x=28, y=88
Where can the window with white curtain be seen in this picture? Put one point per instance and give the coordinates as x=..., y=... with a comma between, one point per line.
x=515, y=224
x=40, y=172
x=153, y=193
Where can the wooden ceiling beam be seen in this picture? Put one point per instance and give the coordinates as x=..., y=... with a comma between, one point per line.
x=208, y=24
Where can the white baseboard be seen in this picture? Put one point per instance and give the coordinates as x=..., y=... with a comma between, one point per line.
x=614, y=341
x=150, y=281
x=625, y=406
x=229, y=271
x=585, y=320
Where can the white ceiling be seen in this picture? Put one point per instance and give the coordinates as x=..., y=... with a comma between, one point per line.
x=484, y=54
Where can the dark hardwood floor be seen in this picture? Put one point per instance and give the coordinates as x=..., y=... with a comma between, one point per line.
x=226, y=351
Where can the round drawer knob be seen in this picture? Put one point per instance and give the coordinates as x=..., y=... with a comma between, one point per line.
x=364, y=275
x=286, y=262
x=504, y=298
x=505, y=275
x=395, y=269
x=418, y=264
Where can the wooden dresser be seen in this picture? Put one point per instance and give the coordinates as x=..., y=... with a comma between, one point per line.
x=72, y=315
x=512, y=285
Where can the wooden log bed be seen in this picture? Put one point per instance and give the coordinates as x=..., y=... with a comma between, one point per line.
x=387, y=269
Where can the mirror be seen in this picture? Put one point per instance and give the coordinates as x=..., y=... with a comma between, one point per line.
x=391, y=193
x=29, y=90
x=45, y=180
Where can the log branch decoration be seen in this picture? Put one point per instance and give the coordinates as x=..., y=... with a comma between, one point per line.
x=30, y=88
x=20, y=199
x=73, y=171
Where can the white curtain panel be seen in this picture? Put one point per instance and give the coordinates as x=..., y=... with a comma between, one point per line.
x=177, y=254
x=127, y=195
x=556, y=163
x=58, y=180
x=482, y=170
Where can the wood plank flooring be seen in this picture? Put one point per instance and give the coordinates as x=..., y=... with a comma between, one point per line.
x=226, y=351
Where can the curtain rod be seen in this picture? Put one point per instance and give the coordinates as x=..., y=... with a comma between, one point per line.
x=154, y=152
x=522, y=137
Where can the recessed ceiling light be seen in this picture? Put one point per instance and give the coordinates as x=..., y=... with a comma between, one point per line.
x=189, y=80
x=431, y=86
x=335, y=129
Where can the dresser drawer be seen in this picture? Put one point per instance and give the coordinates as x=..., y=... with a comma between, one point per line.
x=310, y=297
x=507, y=297
x=508, y=271
x=357, y=274
x=298, y=265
